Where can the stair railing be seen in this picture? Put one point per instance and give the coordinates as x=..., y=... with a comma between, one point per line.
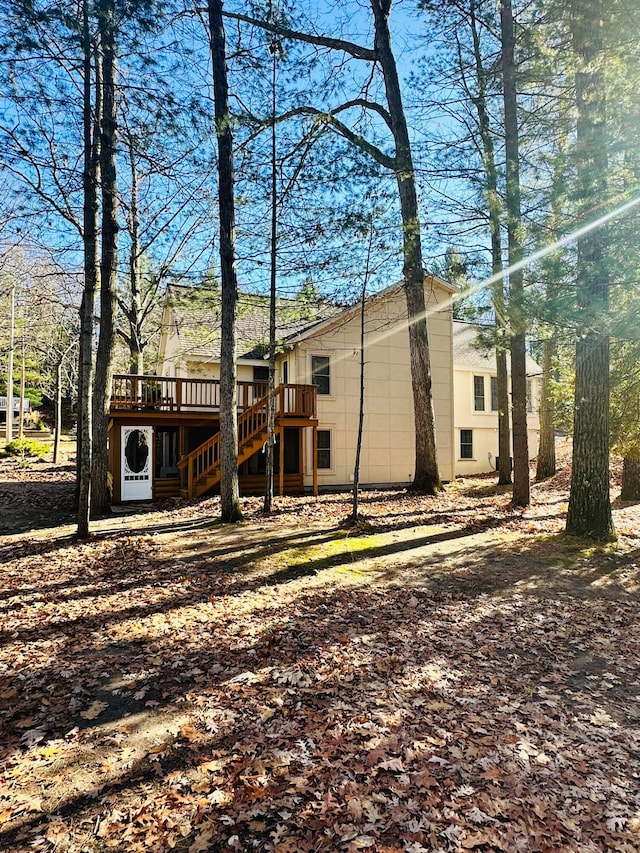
x=206, y=457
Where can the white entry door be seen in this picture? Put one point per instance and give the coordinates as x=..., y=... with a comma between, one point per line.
x=137, y=459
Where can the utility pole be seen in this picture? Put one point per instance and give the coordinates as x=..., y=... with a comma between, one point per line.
x=12, y=310
x=22, y=385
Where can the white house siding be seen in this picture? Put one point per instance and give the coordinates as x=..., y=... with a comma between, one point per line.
x=388, y=447
x=484, y=425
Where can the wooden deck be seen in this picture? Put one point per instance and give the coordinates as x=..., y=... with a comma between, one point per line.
x=192, y=407
x=162, y=394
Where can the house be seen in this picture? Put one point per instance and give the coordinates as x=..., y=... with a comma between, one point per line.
x=476, y=402
x=164, y=429
x=15, y=408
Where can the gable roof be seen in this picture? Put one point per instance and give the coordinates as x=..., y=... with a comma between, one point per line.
x=470, y=354
x=195, y=316
x=344, y=313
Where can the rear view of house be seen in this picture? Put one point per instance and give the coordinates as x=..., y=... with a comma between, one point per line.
x=164, y=429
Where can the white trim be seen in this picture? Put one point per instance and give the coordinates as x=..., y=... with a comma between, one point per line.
x=331, y=469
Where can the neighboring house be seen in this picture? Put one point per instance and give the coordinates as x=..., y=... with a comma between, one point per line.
x=165, y=429
x=476, y=402
x=26, y=404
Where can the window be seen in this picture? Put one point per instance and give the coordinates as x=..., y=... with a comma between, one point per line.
x=261, y=374
x=320, y=373
x=529, y=396
x=285, y=372
x=466, y=444
x=324, y=448
x=478, y=393
x=494, y=394
x=166, y=452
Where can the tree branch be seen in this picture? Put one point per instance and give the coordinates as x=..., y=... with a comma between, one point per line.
x=367, y=105
x=352, y=49
x=354, y=138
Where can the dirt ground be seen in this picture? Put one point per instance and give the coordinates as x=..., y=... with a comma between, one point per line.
x=451, y=674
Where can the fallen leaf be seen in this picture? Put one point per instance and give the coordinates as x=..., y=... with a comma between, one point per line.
x=33, y=736
x=94, y=710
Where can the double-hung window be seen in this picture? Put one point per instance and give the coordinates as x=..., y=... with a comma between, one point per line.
x=494, y=394
x=320, y=376
x=324, y=448
x=466, y=444
x=478, y=393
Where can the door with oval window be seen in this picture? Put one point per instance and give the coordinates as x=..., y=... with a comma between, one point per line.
x=136, y=463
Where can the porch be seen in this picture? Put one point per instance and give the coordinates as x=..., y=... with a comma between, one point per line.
x=176, y=421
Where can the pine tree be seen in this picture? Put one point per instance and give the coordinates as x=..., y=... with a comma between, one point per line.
x=229, y=486
x=589, y=512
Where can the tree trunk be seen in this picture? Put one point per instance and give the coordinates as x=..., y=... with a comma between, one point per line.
x=12, y=330
x=57, y=426
x=271, y=402
x=630, y=479
x=108, y=263
x=91, y=167
x=229, y=487
x=355, y=510
x=494, y=204
x=589, y=512
x=546, y=466
x=136, y=348
x=504, y=426
x=426, y=476
x=521, y=487
x=555, y=274
x=22, y=389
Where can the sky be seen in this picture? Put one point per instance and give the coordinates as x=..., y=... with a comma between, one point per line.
x=351, y=20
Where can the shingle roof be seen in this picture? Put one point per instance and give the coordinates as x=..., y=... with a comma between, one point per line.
x=196, y=313
x=470, y=354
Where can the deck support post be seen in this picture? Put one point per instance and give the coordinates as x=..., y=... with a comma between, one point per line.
x=281, y=472
x=315, y=461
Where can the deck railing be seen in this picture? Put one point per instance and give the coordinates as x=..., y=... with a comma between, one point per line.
x=168, y=394
x=298, y=401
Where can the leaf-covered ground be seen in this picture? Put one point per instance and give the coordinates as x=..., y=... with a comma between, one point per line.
x=451, y=675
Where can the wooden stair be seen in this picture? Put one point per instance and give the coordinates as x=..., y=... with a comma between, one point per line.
x=209, y=480
x=294, y=404
x=203, y=463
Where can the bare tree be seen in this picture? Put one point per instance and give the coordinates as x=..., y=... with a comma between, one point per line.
x=91, y=88
x=271, y=404
x=355, y=507
x=478, y=98
x=109, y=257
